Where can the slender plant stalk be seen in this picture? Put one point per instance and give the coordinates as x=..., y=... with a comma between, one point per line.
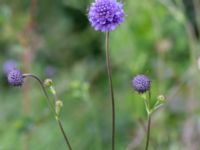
x=149, y=121
x=148, y=132
x=109, y=70
x=51, y=107
x=64, y=134
x=60, y=123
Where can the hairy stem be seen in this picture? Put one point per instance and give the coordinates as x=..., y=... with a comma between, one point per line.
x=109, y=70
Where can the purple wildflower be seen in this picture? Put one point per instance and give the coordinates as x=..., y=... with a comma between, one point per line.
x=15, y=77
x=141, y=83
x=8, y=66
x=106, y=15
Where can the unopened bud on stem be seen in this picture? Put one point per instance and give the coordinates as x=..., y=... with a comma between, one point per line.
x=48, y=83
x=59, y=105
x=161, y=98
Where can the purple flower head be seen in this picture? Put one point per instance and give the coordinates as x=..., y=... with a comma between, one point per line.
x=15, y=77
x=106, y=15
x=141, y=83
x=8, y=66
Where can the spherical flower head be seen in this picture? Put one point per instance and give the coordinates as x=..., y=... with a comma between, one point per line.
x=8, y=66
x=106, y=15
x=15, y=77
x=141, y=83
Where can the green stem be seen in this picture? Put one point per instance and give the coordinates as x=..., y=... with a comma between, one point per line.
x=109, y=70
x=51, y=106
x=64, y=134
x=149, y=121
x=43, y=89
x=148, y=132
x=60, y=123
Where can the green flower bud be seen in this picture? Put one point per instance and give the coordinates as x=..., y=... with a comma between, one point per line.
x=161, y=98
x=48, y=83
x=59, y=105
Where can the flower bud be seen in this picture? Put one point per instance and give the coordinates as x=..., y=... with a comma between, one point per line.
x=15, y=77
x=48, y=83
x=141, y=83
x=59, y=105
x=161, y=98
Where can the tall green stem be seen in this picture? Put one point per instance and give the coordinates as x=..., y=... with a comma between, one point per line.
x=149, y=121
x=109, y=70
x=148, y=132
x=64, y=134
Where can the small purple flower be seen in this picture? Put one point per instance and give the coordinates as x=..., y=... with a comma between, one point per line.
x=15, y=77
x=141, y=83
x=8, y=66
x=106, y=15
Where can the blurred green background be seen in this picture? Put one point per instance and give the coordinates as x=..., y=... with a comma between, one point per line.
x=160, y=38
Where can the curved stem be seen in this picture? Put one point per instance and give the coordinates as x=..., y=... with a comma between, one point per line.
x=51, y=107
x=111, y=89
x=64, y=134
x=43, y=89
